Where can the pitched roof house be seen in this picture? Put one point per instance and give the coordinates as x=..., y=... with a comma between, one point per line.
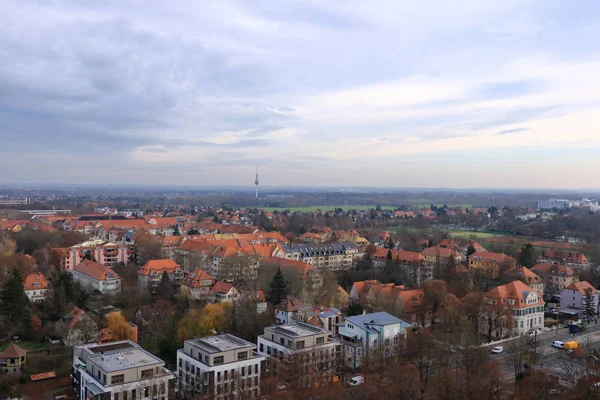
x=36, y=287
x=97, y=277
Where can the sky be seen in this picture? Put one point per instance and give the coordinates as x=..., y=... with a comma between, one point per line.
x=460, y=94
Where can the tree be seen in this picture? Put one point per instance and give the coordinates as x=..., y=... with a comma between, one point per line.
x=14, y=303
x=165, y=288
x=119, y=327
x=355, y=309
x=589, y=306
x=147, y=247
x=211, y=319
x=278, y=288
x=193, y=231
x=470, y=251
x=528, y=256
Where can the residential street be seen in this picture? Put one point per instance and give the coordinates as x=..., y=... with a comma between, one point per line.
x=544, y=348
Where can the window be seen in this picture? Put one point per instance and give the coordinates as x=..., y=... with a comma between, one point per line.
x=242, y=355
x=282, y=341
x=260, y=347
x=300, y=344
x=146, y=390
x=133, y=394
x=116, y=396
x=243, y=371
x=268, y=350
x=116, y=379
x=320, y=340
x=163, y=388
x=148, y=373
x=218, y=360
x=219, y=376
x=256, y=368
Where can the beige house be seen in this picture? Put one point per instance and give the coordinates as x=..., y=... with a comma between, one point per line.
x=556, y=276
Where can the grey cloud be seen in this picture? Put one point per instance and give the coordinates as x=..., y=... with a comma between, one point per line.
x=515, y=130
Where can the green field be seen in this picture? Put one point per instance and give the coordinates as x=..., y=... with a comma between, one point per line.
x=453, y=232
x=325, y=208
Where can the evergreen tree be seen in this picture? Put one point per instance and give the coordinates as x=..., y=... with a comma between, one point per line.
x=278, y=288
x=193, y=231
x=176, y=231
x=14, y=303
x=589, y=306
x=527, y=256
x=165, y=288
x=355, y=309
x=470, y=251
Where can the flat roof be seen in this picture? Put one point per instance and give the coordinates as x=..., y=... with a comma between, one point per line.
x=101, y=348
x=220, y=343
x=122, y=360
x=298, y=329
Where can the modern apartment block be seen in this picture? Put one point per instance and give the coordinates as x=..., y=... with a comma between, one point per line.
x=325, y=257
x=103, y=252
x=300, y=355
x=219, y=366
x=120, y=371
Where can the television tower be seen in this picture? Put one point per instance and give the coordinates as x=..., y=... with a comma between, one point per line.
x=256, y=182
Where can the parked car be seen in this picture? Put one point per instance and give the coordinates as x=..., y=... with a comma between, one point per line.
x=558, y=344
x=497, y=350
x=356, y=381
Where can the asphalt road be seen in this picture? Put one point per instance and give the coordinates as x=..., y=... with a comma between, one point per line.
x=546, y=353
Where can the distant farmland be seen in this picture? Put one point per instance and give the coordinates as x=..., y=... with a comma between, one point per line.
x=325, y=208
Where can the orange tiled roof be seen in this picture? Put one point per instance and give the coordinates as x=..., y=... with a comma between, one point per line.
x=95, y=270
x=290, y=304
x=195, y=278
x=515, y=290
x=582, y=287
x=411, y=299
x=34, y=278
x=565, y=256
x=221, y=287
x=553, y=269
x=402, y=255
x=303, y=268
x=490, y=257
x=525, y=273
x=438, y=251
x=159, y=266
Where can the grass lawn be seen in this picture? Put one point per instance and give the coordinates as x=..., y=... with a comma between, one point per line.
x=325, y=208
x=455, y=233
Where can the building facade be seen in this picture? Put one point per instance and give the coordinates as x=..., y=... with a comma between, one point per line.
x=557, y=277
x=325, y=257
x=219, y=366
x=103, y=252
x=150, y=275
x=97, y=277
x=513, y=309
x=36, y=287
x=118, y=371
x=573, y=300
x=300, y=355
x=368, y=334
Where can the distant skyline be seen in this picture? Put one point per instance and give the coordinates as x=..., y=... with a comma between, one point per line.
x=494, y=94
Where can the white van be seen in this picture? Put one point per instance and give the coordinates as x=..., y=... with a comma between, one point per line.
x=558, y=344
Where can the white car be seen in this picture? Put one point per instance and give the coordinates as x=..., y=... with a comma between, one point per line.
x=356, y=381
x=497, y=350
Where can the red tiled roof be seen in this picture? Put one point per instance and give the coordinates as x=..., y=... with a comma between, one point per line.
x=31, y=279
x=13, y=351
x=195, y=278
x=221, y=287
x=515, y=290
x=582, y=287
x=159, y=266
x=553, y=270
x=402, y=255
x=95, y=270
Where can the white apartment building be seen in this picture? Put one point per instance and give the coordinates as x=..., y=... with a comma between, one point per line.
x=222, y=366
x=301, y=355
x=118, y=371
x=519, y=300
x=324, y=257
x=364, y=334
x=97, y=277
x=553, y=203
x=573, y=299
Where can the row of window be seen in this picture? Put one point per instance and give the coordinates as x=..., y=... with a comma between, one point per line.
x=147, y=391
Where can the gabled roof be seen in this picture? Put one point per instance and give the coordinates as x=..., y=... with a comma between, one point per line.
x=582, y=287
x=517, y=291
x=368, y=322
x=32, y=279
x=159, y=266
x=290, y=304
x=491, y=257
x=221, y=287
x=526, y=274
x=553, y=270
x=94, y=270
x=195, y=278
x=411, y=299
x=402, y=255
x=13, y=351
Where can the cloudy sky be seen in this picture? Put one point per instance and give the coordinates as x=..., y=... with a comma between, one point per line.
x=495, y=93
